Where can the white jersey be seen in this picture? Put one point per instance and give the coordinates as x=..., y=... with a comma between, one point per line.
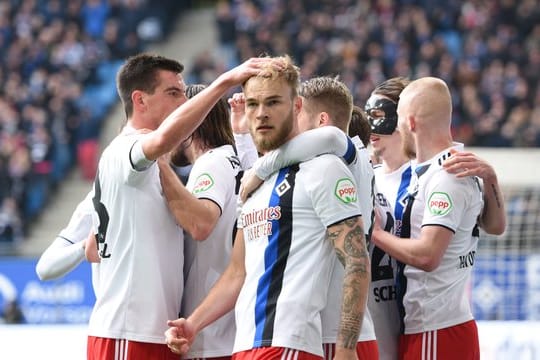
x=390, y=198
x=213, y=177
x=141, y=250
x=288, y=259
x=330, y=139
x=438, y=299
x=362, y=171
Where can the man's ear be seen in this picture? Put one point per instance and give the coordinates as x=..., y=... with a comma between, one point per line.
x=412, y=123
x=297, y=105
x=324, y=119
x=137, y=98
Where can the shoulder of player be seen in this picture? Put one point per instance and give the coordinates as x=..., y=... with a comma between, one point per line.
x=441, y=177
x=222, y=159
x=122, y=141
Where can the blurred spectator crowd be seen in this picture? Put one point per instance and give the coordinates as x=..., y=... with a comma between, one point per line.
x=487, y=51
x=57, y=83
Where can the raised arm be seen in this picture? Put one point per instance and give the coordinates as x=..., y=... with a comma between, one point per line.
x=348, y=240
x=186, y=118
x=305, y=146
x=493, y=217
x=219, y=301
x=247, y=152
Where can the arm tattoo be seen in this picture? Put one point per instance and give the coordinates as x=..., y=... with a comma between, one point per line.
x=496, y=194
x=349, y=242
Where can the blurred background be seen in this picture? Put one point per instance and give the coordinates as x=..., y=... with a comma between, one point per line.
x=59, y=108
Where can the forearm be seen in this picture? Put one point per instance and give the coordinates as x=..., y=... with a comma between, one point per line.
x=59, y=258
x=191, y=213
x=407, y=251
x=219, y=301
x=354, y=300
x=183, y=120
x=424, y=253
x=349, y=242
x=493, y=218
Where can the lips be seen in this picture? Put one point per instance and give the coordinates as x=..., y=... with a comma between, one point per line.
x=264, y=128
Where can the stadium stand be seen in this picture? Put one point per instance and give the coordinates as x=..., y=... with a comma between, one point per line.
x=487, y=51
x=57, y=77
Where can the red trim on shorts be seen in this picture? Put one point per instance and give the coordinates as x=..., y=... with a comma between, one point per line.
x=455, y=342
x=274, y=353
x=121, y=349
x=365, y=350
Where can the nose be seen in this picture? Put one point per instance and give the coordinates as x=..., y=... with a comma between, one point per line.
x=261, y=113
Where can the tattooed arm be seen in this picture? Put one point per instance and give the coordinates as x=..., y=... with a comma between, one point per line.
x=348, y=239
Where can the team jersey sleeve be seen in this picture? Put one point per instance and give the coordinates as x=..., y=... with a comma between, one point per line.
x=333, y=195
x=446, y=200
x=137, y=158
x=306, y=146
x=129, y=160
x=247, y=152
x=214, y=178
x=66, y=251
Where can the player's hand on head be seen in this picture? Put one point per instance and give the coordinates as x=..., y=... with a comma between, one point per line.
x=179, y=336
x=249, y=68
x=250, y=182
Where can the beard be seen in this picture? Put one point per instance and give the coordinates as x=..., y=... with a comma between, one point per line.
x=267, y=142
x=178, y=156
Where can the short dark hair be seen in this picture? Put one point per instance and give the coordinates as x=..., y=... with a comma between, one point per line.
x=215, y=130
x=139, y=72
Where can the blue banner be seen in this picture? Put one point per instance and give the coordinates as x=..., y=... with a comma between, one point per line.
x=68, y=300
x=506, y=287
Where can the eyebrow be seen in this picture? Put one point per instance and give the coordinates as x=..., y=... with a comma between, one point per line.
x=174, y=88
x=272, y=97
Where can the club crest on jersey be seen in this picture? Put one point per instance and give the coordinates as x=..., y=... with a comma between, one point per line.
x=439, y=203
x=203, y=183
x=282, y=187
x=345, y=190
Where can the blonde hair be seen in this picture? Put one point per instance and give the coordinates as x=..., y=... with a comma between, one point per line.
x=288, y=72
